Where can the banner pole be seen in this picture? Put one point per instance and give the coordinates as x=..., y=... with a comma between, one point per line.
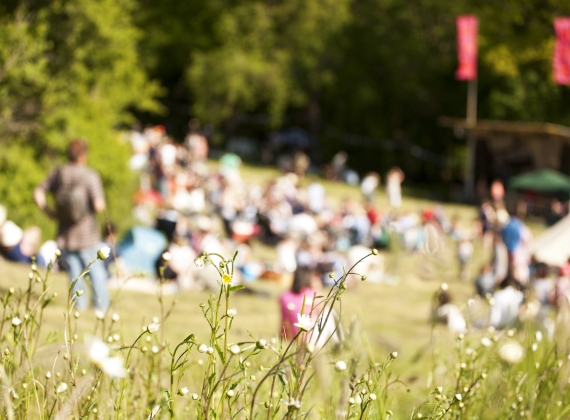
x=471, y=122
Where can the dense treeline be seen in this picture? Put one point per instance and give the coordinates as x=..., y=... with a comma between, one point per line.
x=380, y=69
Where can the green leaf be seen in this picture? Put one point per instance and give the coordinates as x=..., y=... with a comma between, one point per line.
x=236, y=288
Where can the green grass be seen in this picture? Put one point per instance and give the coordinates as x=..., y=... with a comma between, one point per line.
x=391, y=317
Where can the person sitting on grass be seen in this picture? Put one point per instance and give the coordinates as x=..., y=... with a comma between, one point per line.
x=306, y=283
x=506, y=303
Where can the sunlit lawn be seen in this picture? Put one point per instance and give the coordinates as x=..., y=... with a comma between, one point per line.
x=392, y=317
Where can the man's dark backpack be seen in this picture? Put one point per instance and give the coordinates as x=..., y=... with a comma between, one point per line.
x=71, y=202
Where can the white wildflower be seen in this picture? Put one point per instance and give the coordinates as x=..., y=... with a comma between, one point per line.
x=231, y=312
x=394, y=355
x=195, y=397
x=340, y=365
x=104, y=253
x=230, y=393
x=458, y=397
x=153, y=412
x=152, y=328
x=511, y=352
x=16, y=321
x=303, y=322
x=115, y=318
x=199, y=263
x=183, y=391
x=166, y=256
x=99, y=314
x=62, y=387
x=373, y=397
x=202, y=348
x=262, y=344
x=538, y=336
x=292, y=403
x=486, y=342
x=99, y=356
x=235, y=349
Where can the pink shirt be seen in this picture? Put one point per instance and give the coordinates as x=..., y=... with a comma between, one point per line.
x=291, y=305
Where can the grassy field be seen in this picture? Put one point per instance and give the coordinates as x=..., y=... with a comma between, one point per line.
x=389, y=317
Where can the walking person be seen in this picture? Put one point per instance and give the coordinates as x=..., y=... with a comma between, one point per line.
x=78, y=195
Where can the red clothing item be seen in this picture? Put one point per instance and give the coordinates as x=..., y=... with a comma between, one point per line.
x=291, y=305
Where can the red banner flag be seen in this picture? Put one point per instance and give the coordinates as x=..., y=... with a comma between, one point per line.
x=561, y=58
x=467, y=28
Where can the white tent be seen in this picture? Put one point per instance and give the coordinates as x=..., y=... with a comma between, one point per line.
x=553, y=246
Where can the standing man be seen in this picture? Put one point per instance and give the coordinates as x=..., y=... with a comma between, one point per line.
x=78, y=195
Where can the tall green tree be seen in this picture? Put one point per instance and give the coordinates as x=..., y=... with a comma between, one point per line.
x=70, y=69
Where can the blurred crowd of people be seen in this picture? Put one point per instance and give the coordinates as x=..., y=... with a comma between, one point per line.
x=517, y=287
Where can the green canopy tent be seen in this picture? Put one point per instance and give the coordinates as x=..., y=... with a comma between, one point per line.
x=543, y=180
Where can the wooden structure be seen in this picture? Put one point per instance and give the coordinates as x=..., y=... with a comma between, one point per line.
x=501, y=149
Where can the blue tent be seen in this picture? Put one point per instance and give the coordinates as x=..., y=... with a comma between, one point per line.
x=140, y=248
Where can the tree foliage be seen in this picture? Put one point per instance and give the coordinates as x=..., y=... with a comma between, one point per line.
x=69, y=69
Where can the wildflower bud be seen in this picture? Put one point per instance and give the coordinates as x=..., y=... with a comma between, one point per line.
x=199, y=263
x=210, y=350
x=144, y=349
x=48, y=375
x=483, y=375
x=461, y=405
x=183, y=391
x=115, y=318
x=6, y=352
x=389, y=412
x=252, y=378
x=511, y=332
x=195, y=397
x=104, y=253
x=152, y=328
x=200, y=362
x=222, y=264
x=76, y=314
x=461, y=336
x=463, y=366
x=230, y=393
x=30, y=275
x=394, y=355
x=154, y=349
x=331, y=275
x=340, y=365
x=363, y=278
x=11, y=290
x=109, y=339
x=202, y=348
x=419, y=415
x=166, y=256
x=444, y=286
x=439, y=390
x=342, y=286
x=54, y=295
x=99, y=314
x=84, y=372
x=235, y=349
x=57, y=253
x=458, y=397
x=24, y=385
x=202, y=305
x=351, y=401
x=94, y=411
x=261, y=344
x=34, y=267
x=534, y=346
x=310, y=348
x=79, y=293
x=148, y=339
x=372, y=397
x=247, y=364
x=374, y=251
